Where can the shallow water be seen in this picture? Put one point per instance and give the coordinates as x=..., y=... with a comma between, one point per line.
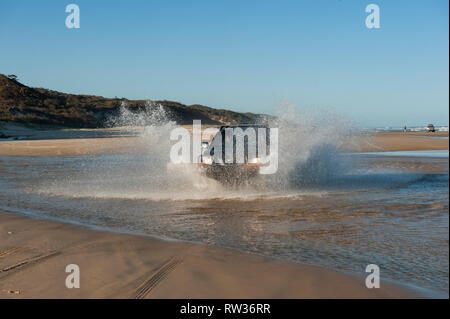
x=428, y=153
x=389, y=211
x=437, y=137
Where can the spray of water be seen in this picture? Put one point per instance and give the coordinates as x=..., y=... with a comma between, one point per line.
x=308, y=156
x=309, y=147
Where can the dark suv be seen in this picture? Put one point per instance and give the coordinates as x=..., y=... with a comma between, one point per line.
x=234, y=170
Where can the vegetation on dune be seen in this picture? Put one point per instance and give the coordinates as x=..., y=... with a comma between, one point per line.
x=22, y=104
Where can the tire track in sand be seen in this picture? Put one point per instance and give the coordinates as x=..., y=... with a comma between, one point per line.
x=148, y=285
x=28, y=262
x=9, y=251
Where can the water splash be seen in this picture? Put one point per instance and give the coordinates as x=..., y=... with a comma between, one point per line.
x=308, y=157
x=309, y=145
x=150, y=115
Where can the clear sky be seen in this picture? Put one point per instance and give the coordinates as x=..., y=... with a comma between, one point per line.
x=246, y=55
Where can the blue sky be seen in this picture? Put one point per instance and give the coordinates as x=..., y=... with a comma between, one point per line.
x=248, y=56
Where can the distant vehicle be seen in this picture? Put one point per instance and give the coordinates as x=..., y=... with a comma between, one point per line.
x=233, y=172
x=430, y=128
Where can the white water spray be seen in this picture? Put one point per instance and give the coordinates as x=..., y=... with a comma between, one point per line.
x=308, y=156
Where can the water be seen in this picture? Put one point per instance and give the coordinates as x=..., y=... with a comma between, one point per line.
x=430, y=153
x=437, y=137
x=396, y=219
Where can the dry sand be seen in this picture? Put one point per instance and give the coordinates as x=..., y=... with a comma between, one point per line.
x=399, y=141
x=34, y=255
x=119, y=145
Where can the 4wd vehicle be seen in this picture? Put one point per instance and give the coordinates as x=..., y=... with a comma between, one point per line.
x=430, y=128
x=234, y=154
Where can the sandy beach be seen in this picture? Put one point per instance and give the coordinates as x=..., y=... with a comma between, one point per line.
x=34, y=253
x=369, y=142
x=400, y=141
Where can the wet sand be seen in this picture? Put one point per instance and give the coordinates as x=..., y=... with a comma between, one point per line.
x=72, y=147
x=35, y=253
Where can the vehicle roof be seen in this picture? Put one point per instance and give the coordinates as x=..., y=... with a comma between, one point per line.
x=244, y=126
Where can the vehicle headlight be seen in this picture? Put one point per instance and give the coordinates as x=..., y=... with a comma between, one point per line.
x=207, y=160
